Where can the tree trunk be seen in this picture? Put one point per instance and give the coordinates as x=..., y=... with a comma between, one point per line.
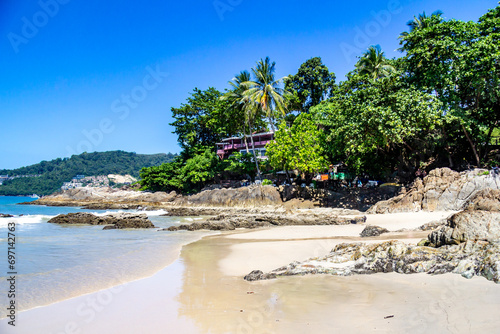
x=488, y=141
x=272, y=124
x=478, y=161
x=245, y=138
x=253, y=151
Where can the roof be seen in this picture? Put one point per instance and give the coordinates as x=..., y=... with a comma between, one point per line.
x=253, y=135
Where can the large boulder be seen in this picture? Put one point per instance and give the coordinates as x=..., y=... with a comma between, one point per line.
x=113, y=221
x=157, y=197
x=443, y=189
x=245, y=196
x=373, y=231
x=479, y=222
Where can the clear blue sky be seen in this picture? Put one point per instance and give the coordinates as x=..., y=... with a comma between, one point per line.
x=77, y=76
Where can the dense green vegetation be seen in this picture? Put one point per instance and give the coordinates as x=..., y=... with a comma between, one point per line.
x=53, y=173
x=438, y=105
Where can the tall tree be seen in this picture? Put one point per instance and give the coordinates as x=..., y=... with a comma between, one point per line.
x=374, y=64
x=237, y=100
x=311, y=85
x=458, y=62
x=298, y=147
x=203, y=121
x=266, y=92
x=423, y=21
x=242, y=104
x=378, y=126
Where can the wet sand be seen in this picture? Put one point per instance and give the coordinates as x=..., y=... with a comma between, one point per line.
x=204, y=292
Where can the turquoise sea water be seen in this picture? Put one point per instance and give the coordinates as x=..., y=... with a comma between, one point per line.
x=55, y=262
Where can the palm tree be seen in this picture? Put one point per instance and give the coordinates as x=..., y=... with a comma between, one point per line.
x=374, y=64
x=423, y=21
x=266, y=91
x=241, y=103
x=237, y=99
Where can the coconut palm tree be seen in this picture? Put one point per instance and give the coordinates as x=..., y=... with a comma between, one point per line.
x=374, y=64
x=423, y=21
x=266, y=91
x=237, y=99
x=240, y=102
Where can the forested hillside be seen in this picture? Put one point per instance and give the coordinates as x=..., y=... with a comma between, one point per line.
x=53, y=173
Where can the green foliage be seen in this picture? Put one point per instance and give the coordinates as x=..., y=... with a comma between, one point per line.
x=371, y=124
x=458, y=62
x=54, y=173
x=374, y=64
x=311, y=85
x=204, y=120
x=241, y=163
x=298, y=147
x=267, y=182
x=182, y=176
x=265, y=93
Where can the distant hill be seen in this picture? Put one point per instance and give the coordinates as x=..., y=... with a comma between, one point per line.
x=47, y=177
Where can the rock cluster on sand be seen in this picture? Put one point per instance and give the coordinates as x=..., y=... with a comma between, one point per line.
x=225, y=222
x=443, y=189
x=469, y=244
x=5, y=215
x=468, y=259
x=112, y=221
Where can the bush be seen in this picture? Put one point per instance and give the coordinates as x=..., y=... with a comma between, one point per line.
x=267, y=182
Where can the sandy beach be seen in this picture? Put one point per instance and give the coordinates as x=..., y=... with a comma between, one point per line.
x=204, y=291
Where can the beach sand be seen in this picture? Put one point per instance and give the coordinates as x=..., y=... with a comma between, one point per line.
x=204, y=292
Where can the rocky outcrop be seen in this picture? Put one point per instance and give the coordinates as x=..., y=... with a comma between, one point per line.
x=480, y=221
x=443, y=189
x=245, y=196
x=113, y=221
x=373, y=231
x=469, y=244
x=225, y=222
x=4, y=215
x=468, y=259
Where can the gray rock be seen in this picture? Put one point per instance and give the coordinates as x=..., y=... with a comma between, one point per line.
x=480, y=221
x=467, y=259
x=116, y=220
x=373, y=231
x=441, y=190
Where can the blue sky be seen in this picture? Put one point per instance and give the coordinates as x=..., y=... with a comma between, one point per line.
x=103, y=75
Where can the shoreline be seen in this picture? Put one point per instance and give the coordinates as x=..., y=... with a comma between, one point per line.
x=171, y=260
x=208, y=272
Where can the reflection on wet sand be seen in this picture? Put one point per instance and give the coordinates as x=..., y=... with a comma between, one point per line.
x=389, y=303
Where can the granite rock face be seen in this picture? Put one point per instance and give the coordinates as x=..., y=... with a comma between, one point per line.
x=441, y=190
x=479, y=221
x=467, y=259
x=245, y=196
x=114, y=220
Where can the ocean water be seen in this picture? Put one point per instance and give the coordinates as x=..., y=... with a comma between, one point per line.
x=56, y=262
